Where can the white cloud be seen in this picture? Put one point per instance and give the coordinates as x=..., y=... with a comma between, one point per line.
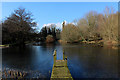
x=57, y=25
x=48, y=25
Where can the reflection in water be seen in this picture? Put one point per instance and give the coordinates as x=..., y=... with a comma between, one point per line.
x=92, y=62
x=84, y=61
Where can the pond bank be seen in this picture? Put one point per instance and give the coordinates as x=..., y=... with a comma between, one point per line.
x=20, y=74
x=4, y=46
x=101, y=43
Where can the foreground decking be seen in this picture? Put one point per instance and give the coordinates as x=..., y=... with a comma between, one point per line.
x=60, y=69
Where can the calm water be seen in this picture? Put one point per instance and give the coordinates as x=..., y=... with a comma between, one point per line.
x=84, y=61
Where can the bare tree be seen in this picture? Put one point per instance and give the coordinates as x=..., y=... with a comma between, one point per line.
x=108, y=24
x=70, y=33
x=88, y=25
x=82, y=26
x=91, y=19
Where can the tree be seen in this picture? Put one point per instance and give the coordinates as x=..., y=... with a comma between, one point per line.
x=58, y=31
x=43, y=33
x=19, y=24
x=70, y=33
x=91, y=19
x=88, y=25
x=108, y=24
x=82, y=26
x=49, y=31
x=0, y=33
x=54, y=32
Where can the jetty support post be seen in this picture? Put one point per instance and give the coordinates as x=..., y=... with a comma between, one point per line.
x=54, y=54
x=63, y=55
x=65, y=61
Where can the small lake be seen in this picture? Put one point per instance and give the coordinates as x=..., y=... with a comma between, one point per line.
x=84, y=61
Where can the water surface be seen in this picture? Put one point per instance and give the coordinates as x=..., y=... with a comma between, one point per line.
x=84, y=61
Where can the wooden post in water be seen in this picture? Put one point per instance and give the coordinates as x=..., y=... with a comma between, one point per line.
x=65, y=61
x=63, y=55
x=54, y=54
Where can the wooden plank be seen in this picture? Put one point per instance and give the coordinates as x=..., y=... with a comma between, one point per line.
x=60, y=62
x=60, y=70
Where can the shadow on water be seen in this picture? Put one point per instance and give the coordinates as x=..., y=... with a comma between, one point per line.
x=84, y=61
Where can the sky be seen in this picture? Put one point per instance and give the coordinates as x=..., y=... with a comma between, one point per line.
x=46, y=13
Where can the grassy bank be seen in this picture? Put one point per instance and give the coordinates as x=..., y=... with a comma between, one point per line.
x=4, y=46
x=101, y=43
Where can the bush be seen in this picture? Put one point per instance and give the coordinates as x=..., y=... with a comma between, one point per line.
x=49, y=39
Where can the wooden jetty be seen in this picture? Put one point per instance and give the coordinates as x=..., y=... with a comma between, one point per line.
x=60, y=69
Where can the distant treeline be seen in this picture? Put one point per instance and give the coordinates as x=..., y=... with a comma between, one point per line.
x=93, y=27
x=18, y=28
x=49, y=34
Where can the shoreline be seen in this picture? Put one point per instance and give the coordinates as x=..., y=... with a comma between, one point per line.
x=20, y=74
x=4, y=46
x=101, y=43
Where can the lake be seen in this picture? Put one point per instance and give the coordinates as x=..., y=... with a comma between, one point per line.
x=84, y=61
